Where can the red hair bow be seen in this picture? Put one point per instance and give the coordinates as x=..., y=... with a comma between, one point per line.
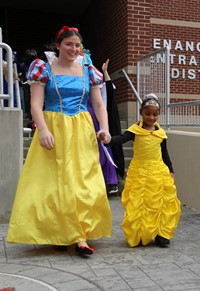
x=64, y=28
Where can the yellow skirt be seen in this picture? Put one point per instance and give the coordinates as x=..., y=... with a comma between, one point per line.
x=61, y=196
x=150, y=201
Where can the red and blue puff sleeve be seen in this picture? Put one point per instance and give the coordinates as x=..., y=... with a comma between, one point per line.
x=38, y=72
x=96, y=77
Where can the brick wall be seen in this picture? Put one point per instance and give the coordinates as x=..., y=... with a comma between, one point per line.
x=126, y=30
x=106, y=35
x=187, y=30
x=122, y=31
x=186, y=10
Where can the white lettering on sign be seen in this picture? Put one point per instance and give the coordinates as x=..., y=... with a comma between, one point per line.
x=181, y=57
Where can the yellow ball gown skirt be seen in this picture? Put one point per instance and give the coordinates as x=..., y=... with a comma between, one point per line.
x=150, y=195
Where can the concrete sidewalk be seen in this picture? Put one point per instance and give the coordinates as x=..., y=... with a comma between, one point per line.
x=114, y=266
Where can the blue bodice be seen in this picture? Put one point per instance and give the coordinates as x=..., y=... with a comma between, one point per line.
x=63, y=93
x=71, y=89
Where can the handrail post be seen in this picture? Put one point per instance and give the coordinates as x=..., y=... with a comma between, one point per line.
x=1, y=71
x=10, y=73
x=167, y=76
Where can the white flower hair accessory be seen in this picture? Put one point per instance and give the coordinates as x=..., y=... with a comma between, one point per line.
x=151, y=100
x=151, y=95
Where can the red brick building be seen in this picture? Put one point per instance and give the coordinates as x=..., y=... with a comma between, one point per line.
x=126, y=30
x=123, y=31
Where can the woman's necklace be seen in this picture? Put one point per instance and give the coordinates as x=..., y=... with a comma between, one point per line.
x=57, y=90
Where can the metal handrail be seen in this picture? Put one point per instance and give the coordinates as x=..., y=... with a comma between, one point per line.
x=132, y=86
x=169, y=105
x=17, y=91
x=168, y=121
x=10, y=94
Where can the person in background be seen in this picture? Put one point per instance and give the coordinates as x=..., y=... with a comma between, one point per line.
x=152, y=209
x=65, y=201
x=16, y=77
x=106, y=156
x=114, y=126
x=29, y=57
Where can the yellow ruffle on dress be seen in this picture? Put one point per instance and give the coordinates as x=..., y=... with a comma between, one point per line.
x=149, y=196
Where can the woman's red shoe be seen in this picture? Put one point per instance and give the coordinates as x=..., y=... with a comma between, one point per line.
x=84, y=250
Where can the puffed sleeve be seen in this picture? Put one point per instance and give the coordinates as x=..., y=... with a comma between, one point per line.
x=96, y=77
x=38, y=72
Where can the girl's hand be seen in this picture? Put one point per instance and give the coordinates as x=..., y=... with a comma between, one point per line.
x=46, y=139
x=104, y=136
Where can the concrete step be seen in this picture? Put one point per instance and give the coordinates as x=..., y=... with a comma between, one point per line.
x=128, y=152
x=27, y=138
x=27, y=142
x=127, y=147
x=26, y=121
x=127, y=161
x=25, y=151
x=123, y=124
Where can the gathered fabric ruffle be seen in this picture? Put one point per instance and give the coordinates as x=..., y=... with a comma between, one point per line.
x=150, y=196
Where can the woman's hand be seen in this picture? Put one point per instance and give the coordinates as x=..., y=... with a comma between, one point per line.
x=104, y=136
x=46, y=139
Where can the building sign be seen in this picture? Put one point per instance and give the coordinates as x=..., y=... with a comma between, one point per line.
x=182, y=57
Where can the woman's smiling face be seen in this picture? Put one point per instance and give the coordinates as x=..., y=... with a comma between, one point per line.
x=69, y=48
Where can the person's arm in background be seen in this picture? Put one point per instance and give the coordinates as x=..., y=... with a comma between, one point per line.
x=113, y=120
x=112, y=109
x=110, y=91
x=101, y=113
x=105, y=70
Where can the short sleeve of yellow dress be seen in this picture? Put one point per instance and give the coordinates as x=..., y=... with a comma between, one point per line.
x=61, y=196
x=149, y=196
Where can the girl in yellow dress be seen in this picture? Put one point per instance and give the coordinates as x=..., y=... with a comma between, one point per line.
x=152, y=209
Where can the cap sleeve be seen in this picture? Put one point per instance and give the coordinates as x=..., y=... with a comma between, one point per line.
x=96, y=77
x=37, y=72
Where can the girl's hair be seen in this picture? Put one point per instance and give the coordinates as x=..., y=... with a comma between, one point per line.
x=150, y=100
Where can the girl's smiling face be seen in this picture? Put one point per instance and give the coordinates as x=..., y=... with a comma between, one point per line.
x=149, y=115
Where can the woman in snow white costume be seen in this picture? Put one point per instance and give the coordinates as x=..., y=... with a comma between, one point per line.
x=65, y=200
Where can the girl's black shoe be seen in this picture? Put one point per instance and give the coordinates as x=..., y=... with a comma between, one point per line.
x=84, y=250
x=161, y=241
